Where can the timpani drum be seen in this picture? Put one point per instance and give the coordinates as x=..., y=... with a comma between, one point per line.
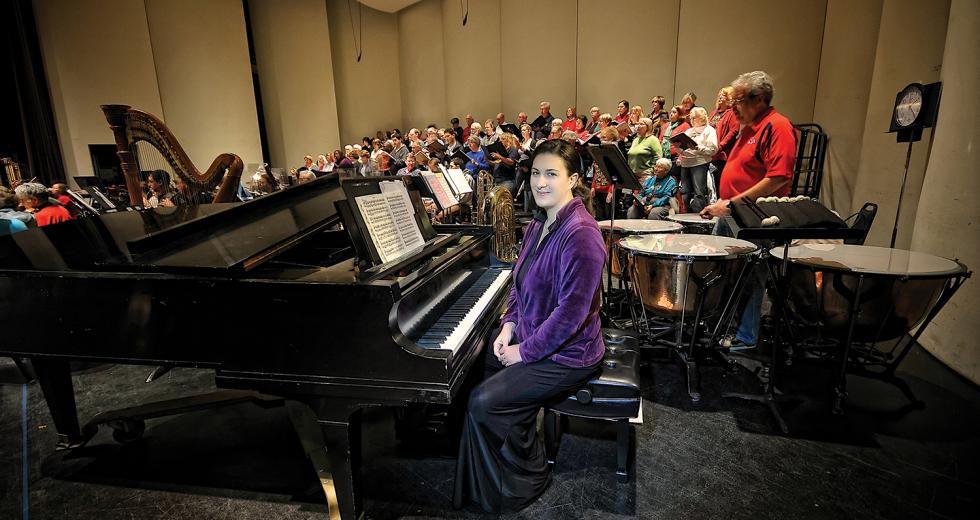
x=675, y=274
x=631, y=227
x=693, y=223
x=892, y=289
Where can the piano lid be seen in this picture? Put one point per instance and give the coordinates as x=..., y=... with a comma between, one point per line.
x=220, y=239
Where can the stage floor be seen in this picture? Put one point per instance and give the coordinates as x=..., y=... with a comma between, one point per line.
x=719, y=459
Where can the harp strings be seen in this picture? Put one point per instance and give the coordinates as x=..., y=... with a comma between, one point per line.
x=149, y=159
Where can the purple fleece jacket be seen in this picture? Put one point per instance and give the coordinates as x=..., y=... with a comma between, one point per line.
x=555, y=297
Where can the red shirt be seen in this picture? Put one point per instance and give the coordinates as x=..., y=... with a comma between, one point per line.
x=766, y=148
x=622, y=118
x=52, y=215
x=599, y=181
x=568, y=125
x=727, y=130
x=679, y=129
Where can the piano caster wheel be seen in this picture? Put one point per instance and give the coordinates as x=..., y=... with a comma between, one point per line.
x=128, y=431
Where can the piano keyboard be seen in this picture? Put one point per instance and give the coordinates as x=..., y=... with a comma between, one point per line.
x=453, y=325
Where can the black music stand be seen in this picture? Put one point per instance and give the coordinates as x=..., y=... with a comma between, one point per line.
x=612, y=162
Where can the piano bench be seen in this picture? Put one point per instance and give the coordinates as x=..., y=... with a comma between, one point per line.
x=612, y=395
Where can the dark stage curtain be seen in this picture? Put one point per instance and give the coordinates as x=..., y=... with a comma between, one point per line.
x=26, y=71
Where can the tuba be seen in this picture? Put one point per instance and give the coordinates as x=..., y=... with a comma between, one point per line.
x=130, y=127
x=494, y=206
x=484, y=185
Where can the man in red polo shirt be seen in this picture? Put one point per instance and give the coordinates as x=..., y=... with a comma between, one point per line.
x=36, y=199
x=759, y=165
x=761, y=162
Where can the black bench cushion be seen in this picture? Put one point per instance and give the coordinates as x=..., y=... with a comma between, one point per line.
x=615, y=391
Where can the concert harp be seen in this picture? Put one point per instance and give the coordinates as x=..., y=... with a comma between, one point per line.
x=131, y=127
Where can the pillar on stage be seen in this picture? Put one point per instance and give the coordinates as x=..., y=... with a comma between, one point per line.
x=948, y=214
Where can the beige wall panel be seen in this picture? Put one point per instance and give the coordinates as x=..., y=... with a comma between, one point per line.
x=608, y=72
x=294, y=57
x=548, y=74
x=948, y=217
x=205, y=77
x=846, y=65
x=899, y=60
x=95, y=53
x=422, y=63
x=781, y=37
x=368, y=97
x=473, y=74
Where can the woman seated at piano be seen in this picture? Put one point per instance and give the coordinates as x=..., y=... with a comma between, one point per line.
x=158, y=192
x=549, y=343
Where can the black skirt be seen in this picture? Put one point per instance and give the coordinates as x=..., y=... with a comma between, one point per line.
x=502, y=464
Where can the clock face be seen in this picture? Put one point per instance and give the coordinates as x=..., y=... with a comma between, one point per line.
x=909, y=106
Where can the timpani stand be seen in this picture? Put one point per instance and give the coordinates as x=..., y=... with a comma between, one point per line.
x=864, y=296
x=619, y=261
x=808, y=220
x=614, y=166
x=681, y=280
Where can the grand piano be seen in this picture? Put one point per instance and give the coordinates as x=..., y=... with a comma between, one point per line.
x=267, y=294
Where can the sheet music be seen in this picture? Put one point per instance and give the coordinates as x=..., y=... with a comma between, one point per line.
x=390, y=218
x=454, y=198
x=445, y=200
x=457, y=178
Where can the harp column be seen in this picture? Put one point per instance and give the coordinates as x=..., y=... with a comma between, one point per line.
x=116, y=116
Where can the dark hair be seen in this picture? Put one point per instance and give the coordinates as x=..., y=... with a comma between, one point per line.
x=454, y=121
x=569, y=155
x=271, y=179
x=584, y=120
x=625, y=103
x=161, y=177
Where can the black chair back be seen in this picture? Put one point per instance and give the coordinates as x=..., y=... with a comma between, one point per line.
x=863, y=220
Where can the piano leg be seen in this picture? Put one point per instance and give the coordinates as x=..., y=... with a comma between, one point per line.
x=54, y=377
x=26, y=371
x=330, y=433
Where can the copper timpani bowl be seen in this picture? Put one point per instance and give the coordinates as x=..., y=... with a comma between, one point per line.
x=666, y=270
x=898, y=288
